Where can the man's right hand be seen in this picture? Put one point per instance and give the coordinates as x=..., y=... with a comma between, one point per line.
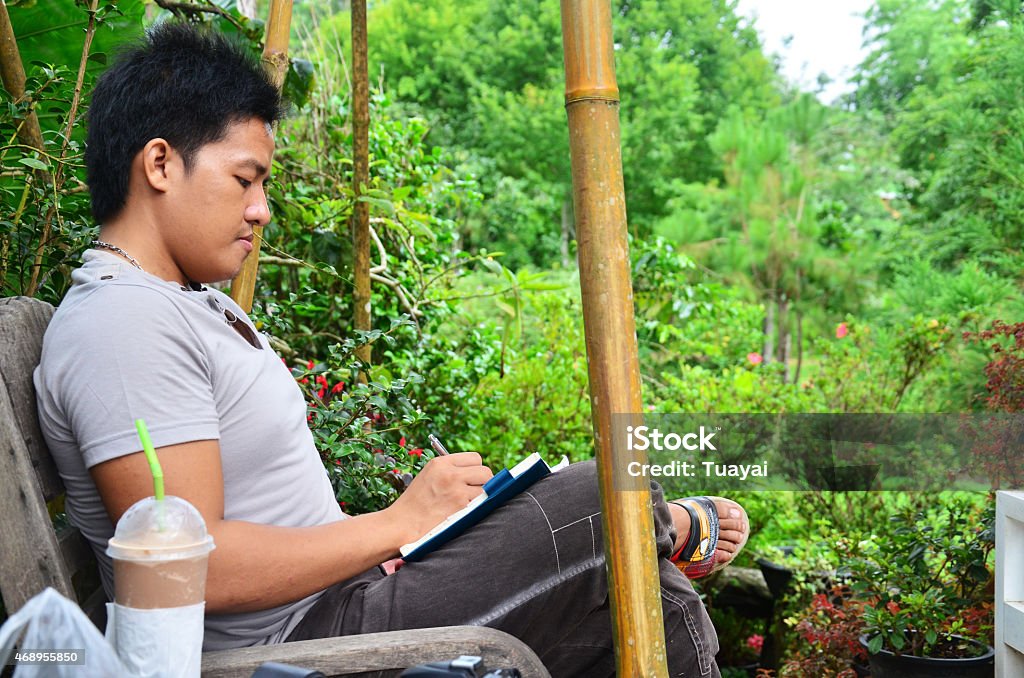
x=445, y=485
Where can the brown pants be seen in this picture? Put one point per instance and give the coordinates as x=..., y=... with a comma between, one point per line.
x=534, y=568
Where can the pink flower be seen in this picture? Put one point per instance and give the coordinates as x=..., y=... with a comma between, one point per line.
x=842, y=331
x=755, y=358
x=755, y=642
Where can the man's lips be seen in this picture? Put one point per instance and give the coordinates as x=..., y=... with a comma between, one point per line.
x=247, y=242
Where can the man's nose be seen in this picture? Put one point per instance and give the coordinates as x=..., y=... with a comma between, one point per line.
x=258, y=213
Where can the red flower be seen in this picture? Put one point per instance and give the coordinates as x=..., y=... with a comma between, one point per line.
x=339, y=387
x=320, y=392
x=303, y=381
x=892, y=607
x=755, y=358
x=755, y=642
x=401, y=441
x=416, y=452
x=309, y=365
x=842, y=331
x=396, y=471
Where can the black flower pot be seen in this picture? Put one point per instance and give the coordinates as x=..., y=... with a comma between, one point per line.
x=885, y=664
x=776, y=575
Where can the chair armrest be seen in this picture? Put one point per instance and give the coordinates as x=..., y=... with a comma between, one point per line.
x=391, y=651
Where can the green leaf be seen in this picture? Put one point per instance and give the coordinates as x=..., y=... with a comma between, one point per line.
x=491, y=265
x=875, y=644
x=543, y=286
x=897, y=641
x=931, y=636
x=299, y=82
x=505, y=307
x=34, y=163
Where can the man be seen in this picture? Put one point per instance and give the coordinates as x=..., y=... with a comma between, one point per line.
x=179, y=150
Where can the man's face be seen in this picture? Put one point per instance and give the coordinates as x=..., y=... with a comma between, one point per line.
x=214, y=207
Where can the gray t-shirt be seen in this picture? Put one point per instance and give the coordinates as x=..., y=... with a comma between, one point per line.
x=125, y=345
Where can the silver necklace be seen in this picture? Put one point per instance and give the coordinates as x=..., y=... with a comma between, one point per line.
x=115, y=248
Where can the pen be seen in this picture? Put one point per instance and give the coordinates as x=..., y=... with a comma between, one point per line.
x=436, y=444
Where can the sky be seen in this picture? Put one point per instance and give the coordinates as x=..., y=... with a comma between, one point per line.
x=826, y=37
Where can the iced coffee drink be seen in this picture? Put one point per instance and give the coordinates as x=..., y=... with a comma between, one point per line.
x=160, y=551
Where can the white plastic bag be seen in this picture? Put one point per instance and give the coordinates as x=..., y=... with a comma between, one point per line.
x=51, y=622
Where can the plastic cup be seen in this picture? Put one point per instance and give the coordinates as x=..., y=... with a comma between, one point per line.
x=160, y=551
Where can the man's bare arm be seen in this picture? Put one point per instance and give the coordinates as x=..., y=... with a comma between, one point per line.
x=255, y=566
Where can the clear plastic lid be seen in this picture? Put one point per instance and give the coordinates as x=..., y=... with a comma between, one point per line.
x=170, y=529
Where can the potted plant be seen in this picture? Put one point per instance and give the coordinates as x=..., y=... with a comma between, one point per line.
x=739, y=647
x=827, y=638
x=925, y=588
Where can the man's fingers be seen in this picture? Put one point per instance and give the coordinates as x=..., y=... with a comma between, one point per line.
x=464, y=459
x=475, y=475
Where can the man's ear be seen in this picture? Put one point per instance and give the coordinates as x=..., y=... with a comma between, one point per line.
x=160, y=164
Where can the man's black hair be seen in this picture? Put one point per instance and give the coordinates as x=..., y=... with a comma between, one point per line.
x=182, y=84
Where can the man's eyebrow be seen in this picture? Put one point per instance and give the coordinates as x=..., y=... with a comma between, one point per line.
x=254, y=165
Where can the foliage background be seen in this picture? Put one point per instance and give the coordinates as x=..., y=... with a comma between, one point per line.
x=788, y=256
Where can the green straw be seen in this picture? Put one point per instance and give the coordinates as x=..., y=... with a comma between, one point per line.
x=154, y=463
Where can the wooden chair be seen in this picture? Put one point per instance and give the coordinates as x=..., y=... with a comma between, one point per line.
x=34, y=555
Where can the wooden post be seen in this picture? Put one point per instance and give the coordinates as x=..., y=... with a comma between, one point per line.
x=592, y=104
x=360, y=178
x=275, y=60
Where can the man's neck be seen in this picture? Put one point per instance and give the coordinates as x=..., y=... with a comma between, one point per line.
x=139, y=238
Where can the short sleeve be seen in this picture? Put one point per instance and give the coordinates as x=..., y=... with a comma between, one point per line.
x=127, y=352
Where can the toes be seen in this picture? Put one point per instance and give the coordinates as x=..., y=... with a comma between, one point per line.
x=735, y=524
x=731, y=538
x=732, y=516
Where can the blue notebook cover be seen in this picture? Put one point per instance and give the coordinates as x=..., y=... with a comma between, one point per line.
x=498, y=490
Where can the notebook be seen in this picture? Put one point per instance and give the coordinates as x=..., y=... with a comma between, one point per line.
x=501, y=488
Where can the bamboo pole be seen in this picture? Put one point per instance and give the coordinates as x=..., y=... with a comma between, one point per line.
x=275, y=60
x=592, y=105
x=360, y=178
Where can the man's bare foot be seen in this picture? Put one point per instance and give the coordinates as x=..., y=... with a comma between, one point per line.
x=734, y=528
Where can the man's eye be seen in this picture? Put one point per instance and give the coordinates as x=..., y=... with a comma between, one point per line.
x=244, y=182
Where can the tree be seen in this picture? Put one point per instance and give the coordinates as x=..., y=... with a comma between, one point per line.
x=914, y=43
x=489, y=77
x=776, y=231
x=962, y=140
